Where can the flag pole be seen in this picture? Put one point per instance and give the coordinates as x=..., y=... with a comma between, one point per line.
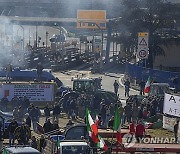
x=112, y=139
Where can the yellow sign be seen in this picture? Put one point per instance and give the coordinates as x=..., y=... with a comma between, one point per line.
x=91, y=19
x=143, y=34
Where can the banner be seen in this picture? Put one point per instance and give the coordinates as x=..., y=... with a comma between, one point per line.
x=168, y=123
x=34, y=92
x=172, y=105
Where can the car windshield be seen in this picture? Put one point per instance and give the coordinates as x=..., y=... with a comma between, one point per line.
x=74, y=149
x=84, y=86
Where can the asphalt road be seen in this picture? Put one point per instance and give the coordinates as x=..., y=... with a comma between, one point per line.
x=107, y=80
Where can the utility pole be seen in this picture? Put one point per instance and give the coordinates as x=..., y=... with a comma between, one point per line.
x=46, y=39
x=36, y=38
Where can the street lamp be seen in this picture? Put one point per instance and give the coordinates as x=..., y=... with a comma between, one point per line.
x=22, y=36
x=61, y=40
x=46, y=38
x=101, y=53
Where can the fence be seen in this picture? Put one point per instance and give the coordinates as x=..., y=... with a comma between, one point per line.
x=141, y=73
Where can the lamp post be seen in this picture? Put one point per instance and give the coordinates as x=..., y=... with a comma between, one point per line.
x=46, y=39
x=61, y=42
x=101, y=53
x=23, y=36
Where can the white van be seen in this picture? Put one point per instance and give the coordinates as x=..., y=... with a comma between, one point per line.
x=74, y=147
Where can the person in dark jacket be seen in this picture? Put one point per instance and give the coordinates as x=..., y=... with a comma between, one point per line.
x=39, y=71
x=23, y=137
x=55, y=125
x=116, y=87
x=42, y=143
x=34, y=142
x=48, y=126
x=11, y=128
x=47, y=112
x=142, y=86
x=34, y=114
x=176, y=127
x=56, y=112
x=28, y=120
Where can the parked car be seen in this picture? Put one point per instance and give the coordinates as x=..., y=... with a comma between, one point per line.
x=20, y=150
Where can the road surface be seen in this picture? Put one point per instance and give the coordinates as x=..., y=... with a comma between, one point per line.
x=107, y=80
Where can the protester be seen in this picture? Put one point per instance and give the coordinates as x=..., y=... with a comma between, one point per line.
x=11, y=128
x=42, y=143
x=69, y=124
x=39, y=71
x=15, y=113
x=39, y=112
x=176, y=127
x=48, y=126
x=55, y=125
x=47, y=111
x=127, y=88
x=140, y=131
x=132, y=128
x=33, y=142
x=56, y=112
x=25, y=104
x=108, y=115
x=23, y=137
x=142, y=86
x=27, y=120
x=121, y=112
x=111, y=122
x=8, y=73
x=135, y=112
x=128, y=113
x=20, y=114
x=116, y=87
x=34, y=117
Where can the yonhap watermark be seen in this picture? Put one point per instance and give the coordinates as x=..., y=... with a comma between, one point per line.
x=129, y=140
x=158, y=140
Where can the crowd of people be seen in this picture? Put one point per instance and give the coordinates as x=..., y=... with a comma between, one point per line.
x=132, y=114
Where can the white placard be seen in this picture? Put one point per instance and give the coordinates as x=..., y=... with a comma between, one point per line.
x=168, y=123
x=35, y=92
x=171, y=105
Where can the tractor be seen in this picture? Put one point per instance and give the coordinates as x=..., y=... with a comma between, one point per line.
x=90, y=87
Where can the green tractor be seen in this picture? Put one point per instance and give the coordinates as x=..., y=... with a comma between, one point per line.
x=90, y=87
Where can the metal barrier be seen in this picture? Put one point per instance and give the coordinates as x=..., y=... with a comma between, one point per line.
x=141, y=73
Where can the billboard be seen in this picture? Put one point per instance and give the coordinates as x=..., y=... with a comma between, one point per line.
x=91, y=19
x=34, y=92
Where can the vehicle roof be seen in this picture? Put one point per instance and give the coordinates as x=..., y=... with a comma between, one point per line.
x=73, y=143
x=160, y=84
x=83, y=79
x=28, y=73
x=23, y=150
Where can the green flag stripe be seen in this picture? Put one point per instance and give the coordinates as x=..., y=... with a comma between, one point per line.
x=117, y=120
x=87, y=121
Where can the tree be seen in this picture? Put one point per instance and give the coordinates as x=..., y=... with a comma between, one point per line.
x=153, y=16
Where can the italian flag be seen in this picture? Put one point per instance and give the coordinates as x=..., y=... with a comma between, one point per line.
x=91, y=127
x=117, y=125
x=5, y=151
x=147, y=86
x=101, y=144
